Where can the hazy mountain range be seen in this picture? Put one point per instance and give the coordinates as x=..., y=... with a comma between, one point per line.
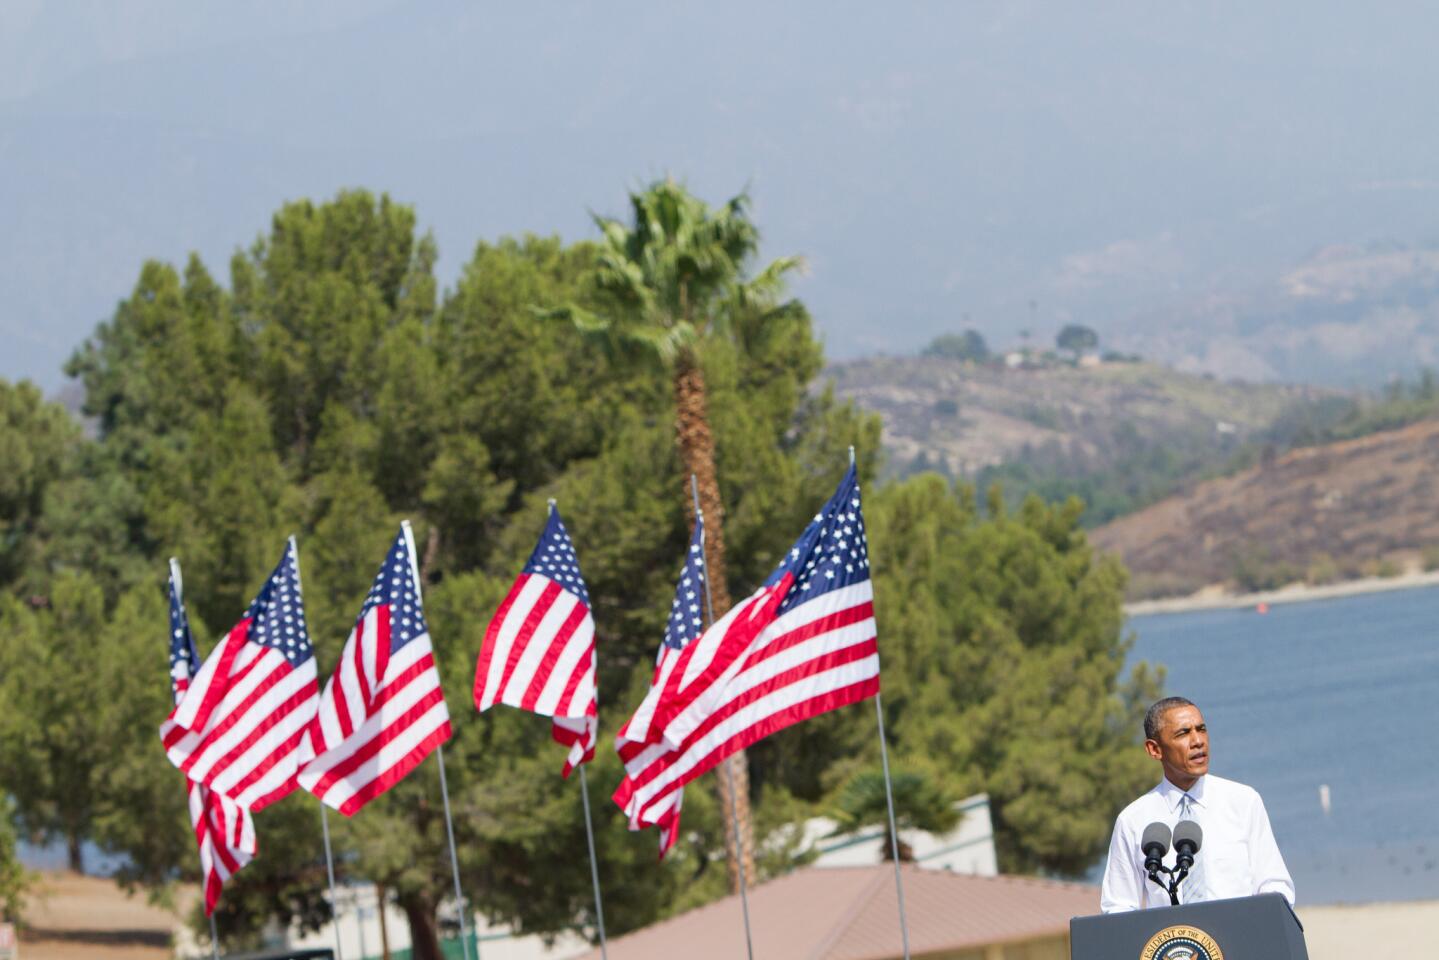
x=1154, y=171
x=1348, y=315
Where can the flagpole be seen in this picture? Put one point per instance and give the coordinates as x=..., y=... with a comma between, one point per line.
x=728, y=769
x=893, y=833
x=454, y=860
x=889, y=800
x=360, y=922
x=176, y=579
x=594, y=867
x=324, y=815
x=330, y=870
x=444, y=784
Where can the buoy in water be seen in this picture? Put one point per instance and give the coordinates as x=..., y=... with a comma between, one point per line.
x=1261, y=608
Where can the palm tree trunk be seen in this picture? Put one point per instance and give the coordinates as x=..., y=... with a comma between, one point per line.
x=697, y=450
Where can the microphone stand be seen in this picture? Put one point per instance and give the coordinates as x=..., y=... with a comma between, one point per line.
x=1176, y=874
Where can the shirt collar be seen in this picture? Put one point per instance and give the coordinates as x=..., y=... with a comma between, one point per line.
x=1173, y=795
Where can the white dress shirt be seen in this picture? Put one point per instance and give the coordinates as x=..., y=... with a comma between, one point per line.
x=1238, y=854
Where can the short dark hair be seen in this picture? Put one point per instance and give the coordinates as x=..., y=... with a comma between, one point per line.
x=1154, y=716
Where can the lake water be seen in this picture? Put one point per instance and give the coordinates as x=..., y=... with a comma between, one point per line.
x=1342, y=692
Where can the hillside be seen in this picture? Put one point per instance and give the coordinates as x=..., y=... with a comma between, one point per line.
x=1322, y=513
x=962, y=417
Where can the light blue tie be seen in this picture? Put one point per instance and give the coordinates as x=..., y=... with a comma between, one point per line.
x=1193, y=886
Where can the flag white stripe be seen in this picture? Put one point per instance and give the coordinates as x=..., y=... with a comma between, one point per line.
x=638, y=727
x=347, y=687
x=213, y=749
x=761, y=672
x=370, y=652
x=688, y=720
x=189, y=704
x=709, y=643
x=248, y=653
x=414, y=691
x=577, y=646
x=505, y=636
x=388, y=755
x=273, y=739
x=529, y=662
x=752, y=714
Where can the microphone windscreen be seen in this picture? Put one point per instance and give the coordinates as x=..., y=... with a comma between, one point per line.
x=1155, y=833
x=1188, y=830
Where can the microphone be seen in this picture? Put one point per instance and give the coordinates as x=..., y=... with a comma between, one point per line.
x=1187, y=840
x=1154, y=844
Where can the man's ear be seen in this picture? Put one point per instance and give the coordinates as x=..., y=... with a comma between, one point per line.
x=1152, y=748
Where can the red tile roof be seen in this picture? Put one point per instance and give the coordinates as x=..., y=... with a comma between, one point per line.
x=851, y=913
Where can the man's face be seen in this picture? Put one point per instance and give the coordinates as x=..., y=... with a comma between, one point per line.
x=1182, y=747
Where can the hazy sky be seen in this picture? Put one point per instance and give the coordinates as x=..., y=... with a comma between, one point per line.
x=932, y=160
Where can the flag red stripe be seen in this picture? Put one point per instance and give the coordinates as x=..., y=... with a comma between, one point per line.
x=759, y=613
x=808, y=631
x=552, y=655
x=278, y=667
x=337, y=698
x=833, y=700
x=808, y=668
x=281, y=755
x=533, y=616
x=353, y=762
x=397, y=771
x=487, y=648
x=215, y=692
x=391, y=690
x=584, y=668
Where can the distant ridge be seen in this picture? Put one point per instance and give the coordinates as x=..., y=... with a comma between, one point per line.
x=960, y=417
x=1318, y=514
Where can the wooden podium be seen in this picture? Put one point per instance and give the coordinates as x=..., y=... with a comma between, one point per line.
x=1245, y=928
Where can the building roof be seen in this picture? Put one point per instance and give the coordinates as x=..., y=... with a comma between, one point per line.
x=851, y=913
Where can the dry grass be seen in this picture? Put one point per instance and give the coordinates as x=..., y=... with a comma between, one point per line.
x=74, y=917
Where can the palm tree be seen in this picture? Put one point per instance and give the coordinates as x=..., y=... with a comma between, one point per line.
x=919, y=804
x=677, y=277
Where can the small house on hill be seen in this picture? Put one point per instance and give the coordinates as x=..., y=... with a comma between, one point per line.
x=851, y=913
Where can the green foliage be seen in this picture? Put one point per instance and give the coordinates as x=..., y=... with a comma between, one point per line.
x=1254, y=567
x=969, y=345
x=14, y=880
x=1003, y=652
x=68, y=736
x=920, y=803
x=330, y=391
x=1399, y=404
x=676, y=272
x=1076, y=339
x=36, y=439
x=1134, y=473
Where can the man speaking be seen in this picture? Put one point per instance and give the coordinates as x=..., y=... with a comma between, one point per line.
x=1237, y=857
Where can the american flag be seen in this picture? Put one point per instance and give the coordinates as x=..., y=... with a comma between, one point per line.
x=383, y=711
x=686, y=622
x=224, y=831
x=242, y=728
x=539, y=650
x=815, y=651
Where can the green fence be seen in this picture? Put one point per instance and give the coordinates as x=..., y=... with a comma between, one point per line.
x=450, y=947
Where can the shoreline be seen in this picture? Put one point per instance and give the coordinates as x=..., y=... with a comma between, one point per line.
x=1213, y=598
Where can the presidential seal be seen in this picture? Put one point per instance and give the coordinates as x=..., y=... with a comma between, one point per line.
x=1181, y=943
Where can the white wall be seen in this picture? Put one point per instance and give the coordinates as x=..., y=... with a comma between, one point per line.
x=968, y=848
